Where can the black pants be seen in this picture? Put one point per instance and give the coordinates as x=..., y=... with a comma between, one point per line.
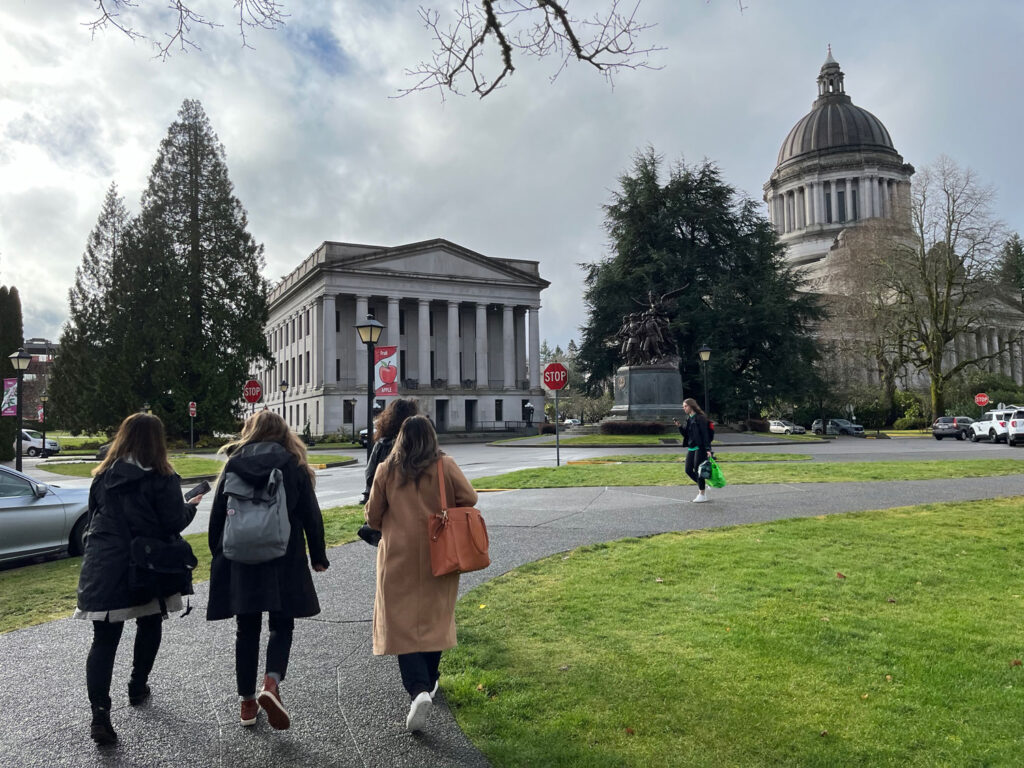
x=419, y=671
x=693, y=460
x=247, y=648
x=106, y=636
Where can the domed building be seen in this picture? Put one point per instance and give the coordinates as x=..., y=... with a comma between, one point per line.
x=837, y=166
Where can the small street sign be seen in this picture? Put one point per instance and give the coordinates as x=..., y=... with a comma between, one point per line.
x=555, y=376
x=252, y=391
x=981, y=399
x=192, y=409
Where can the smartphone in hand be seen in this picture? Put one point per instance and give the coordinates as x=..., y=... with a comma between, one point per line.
x=203, y=487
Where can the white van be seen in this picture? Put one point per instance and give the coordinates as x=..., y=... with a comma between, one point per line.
x=32, y=444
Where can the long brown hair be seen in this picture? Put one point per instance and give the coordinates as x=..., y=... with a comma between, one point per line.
x=269, y=427
x=392, y=417
x=140, y=436
x=694, y=407
x=415, y=449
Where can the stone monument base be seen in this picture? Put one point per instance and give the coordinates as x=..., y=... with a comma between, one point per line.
x=648, y=393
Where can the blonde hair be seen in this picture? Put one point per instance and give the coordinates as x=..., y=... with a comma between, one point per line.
x=268, y=427
x=140, y=436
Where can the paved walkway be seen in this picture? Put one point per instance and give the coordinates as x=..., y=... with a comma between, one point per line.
x=348, y=707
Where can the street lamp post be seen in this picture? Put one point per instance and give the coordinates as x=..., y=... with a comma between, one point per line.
x=20, y=361
x=146, y=408
x=705, y=355
x=283, y=386
x=44, y=399
x=369, y=332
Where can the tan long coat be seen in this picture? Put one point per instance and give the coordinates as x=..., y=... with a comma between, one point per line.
x=413, y=611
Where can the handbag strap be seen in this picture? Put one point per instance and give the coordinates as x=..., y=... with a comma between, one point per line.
x=440, y=483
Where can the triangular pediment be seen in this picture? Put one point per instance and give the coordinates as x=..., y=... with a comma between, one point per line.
x=440, y=257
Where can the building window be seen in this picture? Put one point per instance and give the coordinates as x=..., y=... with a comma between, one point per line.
x=337, y=321
x=293, y=329
x=337, y=369
x=307, y=367
x=290, y=414
x=305, y=415
x=430, y=320
x=294, y=380
x=841, y=205
x=433, y=374
x=828, y=207
x=286, y=334
x=401, y=322
x=401, y=364
x=499, y=410
x=299, y=380
x=307, y=322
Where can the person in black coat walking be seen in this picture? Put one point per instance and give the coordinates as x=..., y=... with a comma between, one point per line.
x=697, y=441
x=385, y=431
x=282, y=587
x=134, y=493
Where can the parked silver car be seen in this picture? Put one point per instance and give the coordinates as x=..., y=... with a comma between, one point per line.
x=39, y=519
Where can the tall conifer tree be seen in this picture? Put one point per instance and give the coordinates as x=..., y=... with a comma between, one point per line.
x=11, y=337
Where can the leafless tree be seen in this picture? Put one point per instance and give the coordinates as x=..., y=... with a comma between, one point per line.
x=476, y=46
x=919, y=287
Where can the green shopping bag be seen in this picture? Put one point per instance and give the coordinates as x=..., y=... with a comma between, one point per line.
x=717, y=479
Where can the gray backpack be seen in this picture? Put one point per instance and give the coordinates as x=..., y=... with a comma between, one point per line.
x=256, y=528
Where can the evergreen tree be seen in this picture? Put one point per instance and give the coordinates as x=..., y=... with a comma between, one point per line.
x=11, y=338
x=83, y=393
x=695, y=233
x=1011, y=265
x=199, y=294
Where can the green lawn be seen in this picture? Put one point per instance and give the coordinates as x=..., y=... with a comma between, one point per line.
x=33, y=594
x=186, y=466
x=680, y=457
x=653, y=473
x=327, y=458
x=885, y=638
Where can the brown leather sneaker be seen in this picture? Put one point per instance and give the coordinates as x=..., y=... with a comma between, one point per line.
x=270, y=700
x=250, y=709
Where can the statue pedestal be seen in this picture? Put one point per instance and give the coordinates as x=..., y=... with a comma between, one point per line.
x=648, y=393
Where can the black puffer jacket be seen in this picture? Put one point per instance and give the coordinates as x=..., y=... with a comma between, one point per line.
x=695, y=432
x=284, y=585
x=125, y=501
x=379, y=452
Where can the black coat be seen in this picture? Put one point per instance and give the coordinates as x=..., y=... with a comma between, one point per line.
x=284, y=585
x=378, y=453
x=695, y=432
x=125, y=501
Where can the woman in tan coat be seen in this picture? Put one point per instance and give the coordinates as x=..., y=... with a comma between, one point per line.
x=413, y=611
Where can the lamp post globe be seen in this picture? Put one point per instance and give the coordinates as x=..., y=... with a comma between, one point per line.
x=705, y=355
x=369, y=333
x=20, y=361
x=283, y=386
x=44, y=399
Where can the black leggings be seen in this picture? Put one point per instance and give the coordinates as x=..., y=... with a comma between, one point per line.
x=247, y=648
x=693, y=460
x=419, y=671
x=99, y=666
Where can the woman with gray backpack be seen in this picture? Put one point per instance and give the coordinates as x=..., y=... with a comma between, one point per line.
x=264, y=515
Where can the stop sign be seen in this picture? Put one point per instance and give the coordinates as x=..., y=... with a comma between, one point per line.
x=252, y=391
x=192, y=409
x=555, y=376
x=981, y=399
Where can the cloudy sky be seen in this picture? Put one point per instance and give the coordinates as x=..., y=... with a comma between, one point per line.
x=319, y=149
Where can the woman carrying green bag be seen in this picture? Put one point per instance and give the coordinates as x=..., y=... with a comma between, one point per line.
x=697, y=441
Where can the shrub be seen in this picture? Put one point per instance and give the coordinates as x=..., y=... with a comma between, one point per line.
x=547, y=429
x=910, y=422
x=633, y=428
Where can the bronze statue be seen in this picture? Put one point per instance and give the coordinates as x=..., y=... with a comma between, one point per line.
x=644, y=337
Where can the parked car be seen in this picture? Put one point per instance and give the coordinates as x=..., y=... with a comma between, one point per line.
x=783, y=427
x=838, y=427
x=32, y=444
x=362, y=437
x=101, y=452
x=952, y=426
x=992, y=424
x=1015, y=429
x=39, y=519
x=571, y=422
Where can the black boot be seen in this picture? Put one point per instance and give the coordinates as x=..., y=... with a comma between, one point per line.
x=138, y=692
x=102, y=731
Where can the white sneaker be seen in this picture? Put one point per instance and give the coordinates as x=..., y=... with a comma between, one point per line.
x=418, y=711
x=700, y=497
x=433, y=693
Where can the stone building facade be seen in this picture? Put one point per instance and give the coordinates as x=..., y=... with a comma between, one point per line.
x=466, y=327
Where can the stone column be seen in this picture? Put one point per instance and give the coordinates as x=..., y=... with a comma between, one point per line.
x=809, y=196
x=508, y=340
x=362, y=310
x=849, y=199
x=876, y=211
x=481, y=346
x=423, y=343
x=329, y=343
x=801, y=206
x=834, y=206
x=1015, y=363
x=534, y=332
x=394, y=324
x=454, y=374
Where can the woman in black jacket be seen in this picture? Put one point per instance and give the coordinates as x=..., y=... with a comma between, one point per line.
x=697, y=441
x=134, y=492
x=385, y=431
x=282, y=587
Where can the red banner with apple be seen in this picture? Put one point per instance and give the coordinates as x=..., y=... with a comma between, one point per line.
x=385, y=371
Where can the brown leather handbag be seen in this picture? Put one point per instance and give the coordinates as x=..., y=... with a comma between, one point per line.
x=458, y=536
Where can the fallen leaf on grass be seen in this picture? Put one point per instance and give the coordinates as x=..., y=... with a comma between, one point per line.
x=630, y=731
x=564, y=668
x=839, y=575
x=863, y=695
x=888, y=678
x=659, y=580
x=824, y=618
x=1015, y=663
x=823, y=733
x=480, y=687
x=483, y=605
x=890, y=600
